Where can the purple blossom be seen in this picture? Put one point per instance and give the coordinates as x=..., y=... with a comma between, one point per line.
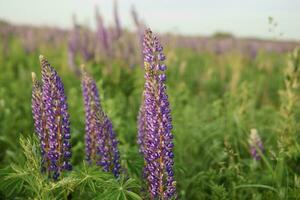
x=29, y=41
x=117, y=20
x=135, y=17
x=100, y=139
x=87, y=46
x=51, y=119
x=141, y=128
x=37, y=113
x=154, y=124
x=255, y=144
x=73, y=46
x=102, y=34
x=140, y=27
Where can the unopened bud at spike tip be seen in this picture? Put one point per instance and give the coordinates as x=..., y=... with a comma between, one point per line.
x=33, y=76
x=41, y=57
x=82, y=68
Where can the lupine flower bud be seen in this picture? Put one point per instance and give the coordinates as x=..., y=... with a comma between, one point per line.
x=51, y=119
x=154, y=124
x=100, y=139
x=255, y=143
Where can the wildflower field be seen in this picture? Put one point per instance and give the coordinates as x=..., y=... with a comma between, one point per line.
x=147, y=115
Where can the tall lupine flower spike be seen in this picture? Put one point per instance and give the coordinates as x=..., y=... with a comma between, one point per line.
x=38, y=117
x=51, y=120
x=87, y=46
x=255, y=144
x=102, y=34
x=154, y=134
x=117, y=20
x=100, y=139
x=73, y=46
x=140, y=27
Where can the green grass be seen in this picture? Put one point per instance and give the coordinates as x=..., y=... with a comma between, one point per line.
x=215, y=101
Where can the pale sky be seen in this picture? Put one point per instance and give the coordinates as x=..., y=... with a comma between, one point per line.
x=246, y=18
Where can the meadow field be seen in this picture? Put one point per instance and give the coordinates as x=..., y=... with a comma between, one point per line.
x=221, y=89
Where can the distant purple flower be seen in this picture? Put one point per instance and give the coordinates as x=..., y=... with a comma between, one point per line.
x=140, y=27
x=73, y=46
x=102, y=34
x=100, y=139
x=117, y=21
x=256, y=144
x=87, y=47
x=154, y=124
x=135, y=17
x=51, y=120
x=29, y=41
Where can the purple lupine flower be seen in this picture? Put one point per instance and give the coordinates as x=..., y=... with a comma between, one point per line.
x=141, y=128
x=135, y=17
x=52, y=125
x=155, y=137
x=255, y=144
x=28, y=41
x=38, y=117
x=100, y=139
x=87, y=46
x=73, y=46
x=102, y=34
x=140, y=27
x=118, y=27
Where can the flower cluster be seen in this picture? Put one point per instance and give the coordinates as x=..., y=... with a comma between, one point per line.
x=154, y=123
x=255, y=144
x=100, y=139
x=51, y=120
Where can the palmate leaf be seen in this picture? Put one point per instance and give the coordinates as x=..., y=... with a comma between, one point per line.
x=121, y=189
x=89, y=178
x=24, y=177
x=93, y=183
x=11, y=183
x=90, y=181
x=62, y=188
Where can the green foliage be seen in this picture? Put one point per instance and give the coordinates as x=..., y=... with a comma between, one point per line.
x=84, y=182
x=215, y=101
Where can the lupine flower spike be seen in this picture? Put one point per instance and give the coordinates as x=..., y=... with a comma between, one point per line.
x=102, y=34
x=154, y=123
x=100, y=139
x=73, y=46
x=255, y=144
x=117, y=20
x=51, y=120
